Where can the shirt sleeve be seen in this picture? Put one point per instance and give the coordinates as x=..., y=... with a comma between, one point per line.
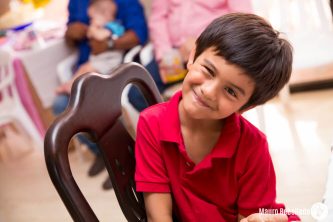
x=159, y=33
x=150, y=173
x=77, y=11
x=131, y=14
x=257, y=185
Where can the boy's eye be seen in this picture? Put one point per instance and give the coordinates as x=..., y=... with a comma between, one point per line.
x=210, y=71
x=230, y=92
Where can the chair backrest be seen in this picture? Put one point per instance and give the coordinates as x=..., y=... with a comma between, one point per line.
x=95, y=107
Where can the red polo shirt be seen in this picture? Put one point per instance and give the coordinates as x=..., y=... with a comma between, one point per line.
x=237, y=177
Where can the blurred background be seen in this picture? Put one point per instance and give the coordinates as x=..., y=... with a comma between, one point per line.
x=298, y=122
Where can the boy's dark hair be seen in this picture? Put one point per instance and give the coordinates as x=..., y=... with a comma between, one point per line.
x=248, y=41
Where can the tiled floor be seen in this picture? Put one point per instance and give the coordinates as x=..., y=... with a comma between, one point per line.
x=299, y=141
x=27, y=193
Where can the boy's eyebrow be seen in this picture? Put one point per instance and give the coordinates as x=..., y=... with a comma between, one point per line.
x=210, y=65
x=213, y=68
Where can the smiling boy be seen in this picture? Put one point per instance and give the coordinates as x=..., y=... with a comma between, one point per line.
x=197, y=158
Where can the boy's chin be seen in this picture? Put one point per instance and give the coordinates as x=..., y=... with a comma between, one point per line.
x=196, y=114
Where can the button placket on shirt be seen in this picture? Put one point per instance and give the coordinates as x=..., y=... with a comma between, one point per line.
x=188, y=165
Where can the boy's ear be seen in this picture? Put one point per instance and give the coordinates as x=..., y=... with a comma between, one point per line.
x=191, y=58
x=247, y=109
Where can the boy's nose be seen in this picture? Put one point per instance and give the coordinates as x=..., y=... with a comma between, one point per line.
x=209, y=90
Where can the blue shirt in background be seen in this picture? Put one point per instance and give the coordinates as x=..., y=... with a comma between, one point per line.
x=129, y=12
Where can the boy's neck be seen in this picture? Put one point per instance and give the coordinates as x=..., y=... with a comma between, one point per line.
x=198, y=124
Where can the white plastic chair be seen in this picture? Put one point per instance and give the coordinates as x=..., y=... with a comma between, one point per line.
x=11, y=108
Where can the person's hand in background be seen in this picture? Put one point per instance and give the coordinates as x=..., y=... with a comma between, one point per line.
x=98, y=46
x=98, y=33
x=76, y=31
x=4, y=7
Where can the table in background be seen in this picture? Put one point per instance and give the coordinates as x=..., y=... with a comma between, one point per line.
x=36, y=78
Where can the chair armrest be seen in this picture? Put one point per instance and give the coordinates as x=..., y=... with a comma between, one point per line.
x=130, y=55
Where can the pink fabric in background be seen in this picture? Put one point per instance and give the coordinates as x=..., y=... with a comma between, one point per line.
x=172, y=22
x=26, y=99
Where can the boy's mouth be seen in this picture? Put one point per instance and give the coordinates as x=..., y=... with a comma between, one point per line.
x=199, y=100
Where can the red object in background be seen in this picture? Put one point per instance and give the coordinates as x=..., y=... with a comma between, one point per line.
x=26, y=98
x=3, y=40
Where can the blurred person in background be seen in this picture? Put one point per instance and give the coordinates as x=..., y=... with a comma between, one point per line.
x=131, y=15
x=102, y=26
x=175, y=24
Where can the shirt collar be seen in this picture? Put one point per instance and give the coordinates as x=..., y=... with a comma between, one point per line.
x=170, y=130
x=229, y=138
x=227, y=142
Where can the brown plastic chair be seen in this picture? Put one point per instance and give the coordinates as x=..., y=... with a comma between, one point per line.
x=95, y=107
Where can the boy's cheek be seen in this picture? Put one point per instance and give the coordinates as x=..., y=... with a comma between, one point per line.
x=195, y=76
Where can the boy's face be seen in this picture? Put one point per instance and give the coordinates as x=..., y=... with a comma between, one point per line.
x=214, y=89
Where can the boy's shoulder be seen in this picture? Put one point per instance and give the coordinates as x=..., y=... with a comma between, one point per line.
x=248, y=131
x=154, y=112
x=152, y=118
x=163, y=115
